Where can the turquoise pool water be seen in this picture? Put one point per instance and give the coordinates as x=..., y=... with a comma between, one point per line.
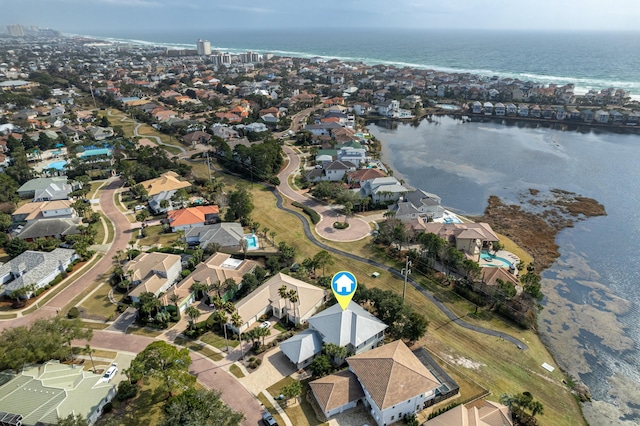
x=448, y=107
x=252, y=242
x=497, y=262
x=58, y=165
x=97, y=151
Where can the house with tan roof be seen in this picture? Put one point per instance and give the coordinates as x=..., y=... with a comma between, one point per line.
x=167, y=181
x=394, y=383
x=192, y=217
x=481, y=413
x=266, y=300
x=218, y=268
x=30, y=212
x=470, y=238
x=153, y=273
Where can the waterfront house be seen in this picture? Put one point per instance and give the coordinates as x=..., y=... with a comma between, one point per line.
x=616, y=117
x=574, y=114
x=383, y=189
x=535, y=111
x=266, y=300
x=587, y=115
x=35, y=268
x=359, y=177
x=512, y=109
x=523, y=110
x=561, y=114
x=418, y=204
x=332, y=171
x=153, y=273
x=601, y=116
x=488, y=108
x=476, y=107
x=470, y=238
x=633, y=119
x=499, y=109
x=393, y=380
x=547, y=112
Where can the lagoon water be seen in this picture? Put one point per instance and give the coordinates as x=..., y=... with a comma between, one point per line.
x=591, y=319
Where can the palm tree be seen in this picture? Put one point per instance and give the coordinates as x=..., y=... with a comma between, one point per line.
x=262, y=332
x=284, y=294
x=293, y=298
x=272, y=234
x=237, y=322
x=193, y=313
x=88, y=350
x=174, y=298
x=215, y=286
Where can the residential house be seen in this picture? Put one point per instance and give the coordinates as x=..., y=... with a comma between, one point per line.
x=100, y=133
x=224, y=132
x=323, y=129
x=574, y=114
x=357, y=178
x=192, y=217
x=35, y=268
x=601, y=116
x=196, y=137
x=418, y=204
x=362, y=108
x=616, y=117
x=488, y=108
x=46, y=189
x=30, y=212
x=353, y=328
x=153, y=273
x=388, y=108
x=476, y=107
x=44, y=394
x=57, y=228
x=355, y=156
x=470, y=238
x=523, y=110
x=633, y=119
x=512, y=109
x=216, y=269
x=535, y=111
x=394, y=382
x=386, y=189
x=587, y=115
x=332, y=171
x=337, y=392
x=227, y=235
x=266, y=300
x=163, y=188
x=561, y=113
x=478, y=413
x=499, y=109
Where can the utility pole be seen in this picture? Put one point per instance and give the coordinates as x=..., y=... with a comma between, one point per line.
x=405, y=271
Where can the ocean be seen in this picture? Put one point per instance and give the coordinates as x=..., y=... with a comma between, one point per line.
x=591, y=320
x=590, y=60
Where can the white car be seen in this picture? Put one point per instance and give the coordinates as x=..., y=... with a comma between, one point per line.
x=265, y=324
x=110, y=373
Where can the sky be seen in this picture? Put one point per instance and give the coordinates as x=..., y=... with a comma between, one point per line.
x=103, y=16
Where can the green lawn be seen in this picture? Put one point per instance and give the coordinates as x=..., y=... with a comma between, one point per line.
x=155, y=236
x=301, y=413
x=143, y=331
x=201, y=349
x=263, y=399
x=144, y=409
x=236, y=371
x=218, y=341
x=98, y=306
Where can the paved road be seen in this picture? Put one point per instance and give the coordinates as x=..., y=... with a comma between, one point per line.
x=207, y=372
x=358, y=228
x=96, y=273
x=445, y=310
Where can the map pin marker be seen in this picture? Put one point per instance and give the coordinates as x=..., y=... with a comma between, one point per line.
x=344, y=286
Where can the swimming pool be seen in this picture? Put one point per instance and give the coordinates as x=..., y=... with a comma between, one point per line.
x=58, y=165
x=448, y=107
x=494, y=261
x=252, y=241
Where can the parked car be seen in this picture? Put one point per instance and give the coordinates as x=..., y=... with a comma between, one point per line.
x=265, y=324
x=268, y=419
x=110, y=373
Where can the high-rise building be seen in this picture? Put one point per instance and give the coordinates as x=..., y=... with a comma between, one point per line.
x=15, y=30
x=204, y=47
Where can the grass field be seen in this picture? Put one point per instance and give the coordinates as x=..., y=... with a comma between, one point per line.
x=143, y=331
x=155, y=236
x=144, y=409
x=501, y=366
x=98, y=306
x=218, y=341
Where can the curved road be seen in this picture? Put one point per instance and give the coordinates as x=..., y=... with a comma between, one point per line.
x=445, y=310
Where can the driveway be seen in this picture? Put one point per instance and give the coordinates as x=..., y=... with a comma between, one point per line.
x=122, y=323
x=275, y=367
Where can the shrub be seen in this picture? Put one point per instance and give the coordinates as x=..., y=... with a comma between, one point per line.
x=107, y=407
x=258, y=361
x=73, y=313
x=313, y=215
x=69, y=269
x=340, y=225
x=126, y=390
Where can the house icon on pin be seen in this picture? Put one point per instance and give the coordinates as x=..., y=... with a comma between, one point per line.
x=344, y=285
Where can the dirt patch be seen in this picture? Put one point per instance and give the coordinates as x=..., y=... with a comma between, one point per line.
x=534, y=224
